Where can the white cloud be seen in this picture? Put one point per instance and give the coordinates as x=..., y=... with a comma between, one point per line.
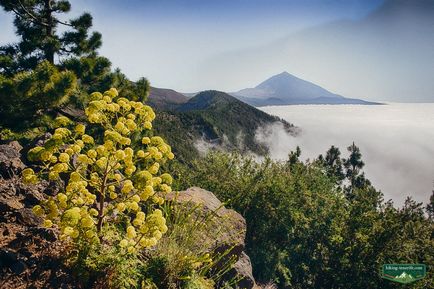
x=396, y=141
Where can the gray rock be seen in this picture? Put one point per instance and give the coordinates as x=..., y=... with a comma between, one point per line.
x=231, y=234
x=243, y=269
x=235, y=225
x=26, y=217
x=10, y=160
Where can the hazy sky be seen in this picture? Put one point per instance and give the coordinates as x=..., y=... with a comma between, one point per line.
x=369, y=49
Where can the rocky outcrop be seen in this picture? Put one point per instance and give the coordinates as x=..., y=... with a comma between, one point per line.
x=230, y=237
x=30, y=255
x=10, y=159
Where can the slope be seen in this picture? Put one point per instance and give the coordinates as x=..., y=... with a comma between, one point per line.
x=214, y=119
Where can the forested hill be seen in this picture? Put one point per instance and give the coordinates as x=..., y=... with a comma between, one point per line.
x=214, y=119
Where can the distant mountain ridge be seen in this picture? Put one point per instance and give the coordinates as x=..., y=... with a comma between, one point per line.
x=165, y=99
x=285, y=89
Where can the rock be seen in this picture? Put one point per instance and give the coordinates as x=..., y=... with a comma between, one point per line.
x=52, y=188
x=45, y=233
x=26, y=217
x=33, y=194
x=7, y=258
x=231, y=234
x=40, y=141
x=12, y=260
x=235, y=231
x=7, y=188
x=10, y=204
x=243, y=269
x=18, y=267
x=10, y=160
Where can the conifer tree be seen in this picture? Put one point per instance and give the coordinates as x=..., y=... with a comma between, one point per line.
x=353, y=166
x=294, y=156
x=354, y=163
x=37, y=24
x=333, y=163
x=430, y=206
x=26, y=95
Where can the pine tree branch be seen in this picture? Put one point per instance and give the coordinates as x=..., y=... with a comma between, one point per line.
x=65, y=50
x=64, y=23
x=26, y=11
x=34, y=19
x=24, y=17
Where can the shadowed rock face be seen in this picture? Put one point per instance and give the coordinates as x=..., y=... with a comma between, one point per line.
x=231, y=237
x=30, y=255
x=10, y=162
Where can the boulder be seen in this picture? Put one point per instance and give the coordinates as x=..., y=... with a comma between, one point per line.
x=243, y=268
x=229, y=240
x=10, y=160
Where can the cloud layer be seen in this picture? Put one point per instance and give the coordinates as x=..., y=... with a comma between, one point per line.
x=396, y=141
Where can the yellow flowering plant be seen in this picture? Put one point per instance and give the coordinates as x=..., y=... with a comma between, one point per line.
x=109, y=178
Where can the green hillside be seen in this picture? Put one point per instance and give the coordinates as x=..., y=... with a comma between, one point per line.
x=218, y=119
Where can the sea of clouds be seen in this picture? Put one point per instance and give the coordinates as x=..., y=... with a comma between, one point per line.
x=396, y=141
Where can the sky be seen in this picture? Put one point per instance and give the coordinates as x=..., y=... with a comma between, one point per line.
x=372, y=49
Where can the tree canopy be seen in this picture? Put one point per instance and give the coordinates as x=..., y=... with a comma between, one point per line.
x=37, y=24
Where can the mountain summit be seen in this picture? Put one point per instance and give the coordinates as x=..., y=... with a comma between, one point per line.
x=285, y=88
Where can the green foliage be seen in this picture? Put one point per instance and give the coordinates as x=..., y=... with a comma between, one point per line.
x=210, y=106
x=95, y=74
x=430, y=206
x=333, y=164
x=302, y=230
x=137, y=91
x=353, y=166
x=199, y=283
x=26, y=95
x=102, y=265
x=37, y=24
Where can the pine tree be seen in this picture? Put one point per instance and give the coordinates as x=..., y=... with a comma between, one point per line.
x=27, y=95
x=294, y=156
x=333, y=164
x=353, y=166
x=37, y=24
x=354, y=163
x=430, y=206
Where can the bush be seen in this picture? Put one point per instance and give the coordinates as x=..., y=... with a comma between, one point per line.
x=109, y=179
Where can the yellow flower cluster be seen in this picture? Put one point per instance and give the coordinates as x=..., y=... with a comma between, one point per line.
x=105, y=179
x=150, y=229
